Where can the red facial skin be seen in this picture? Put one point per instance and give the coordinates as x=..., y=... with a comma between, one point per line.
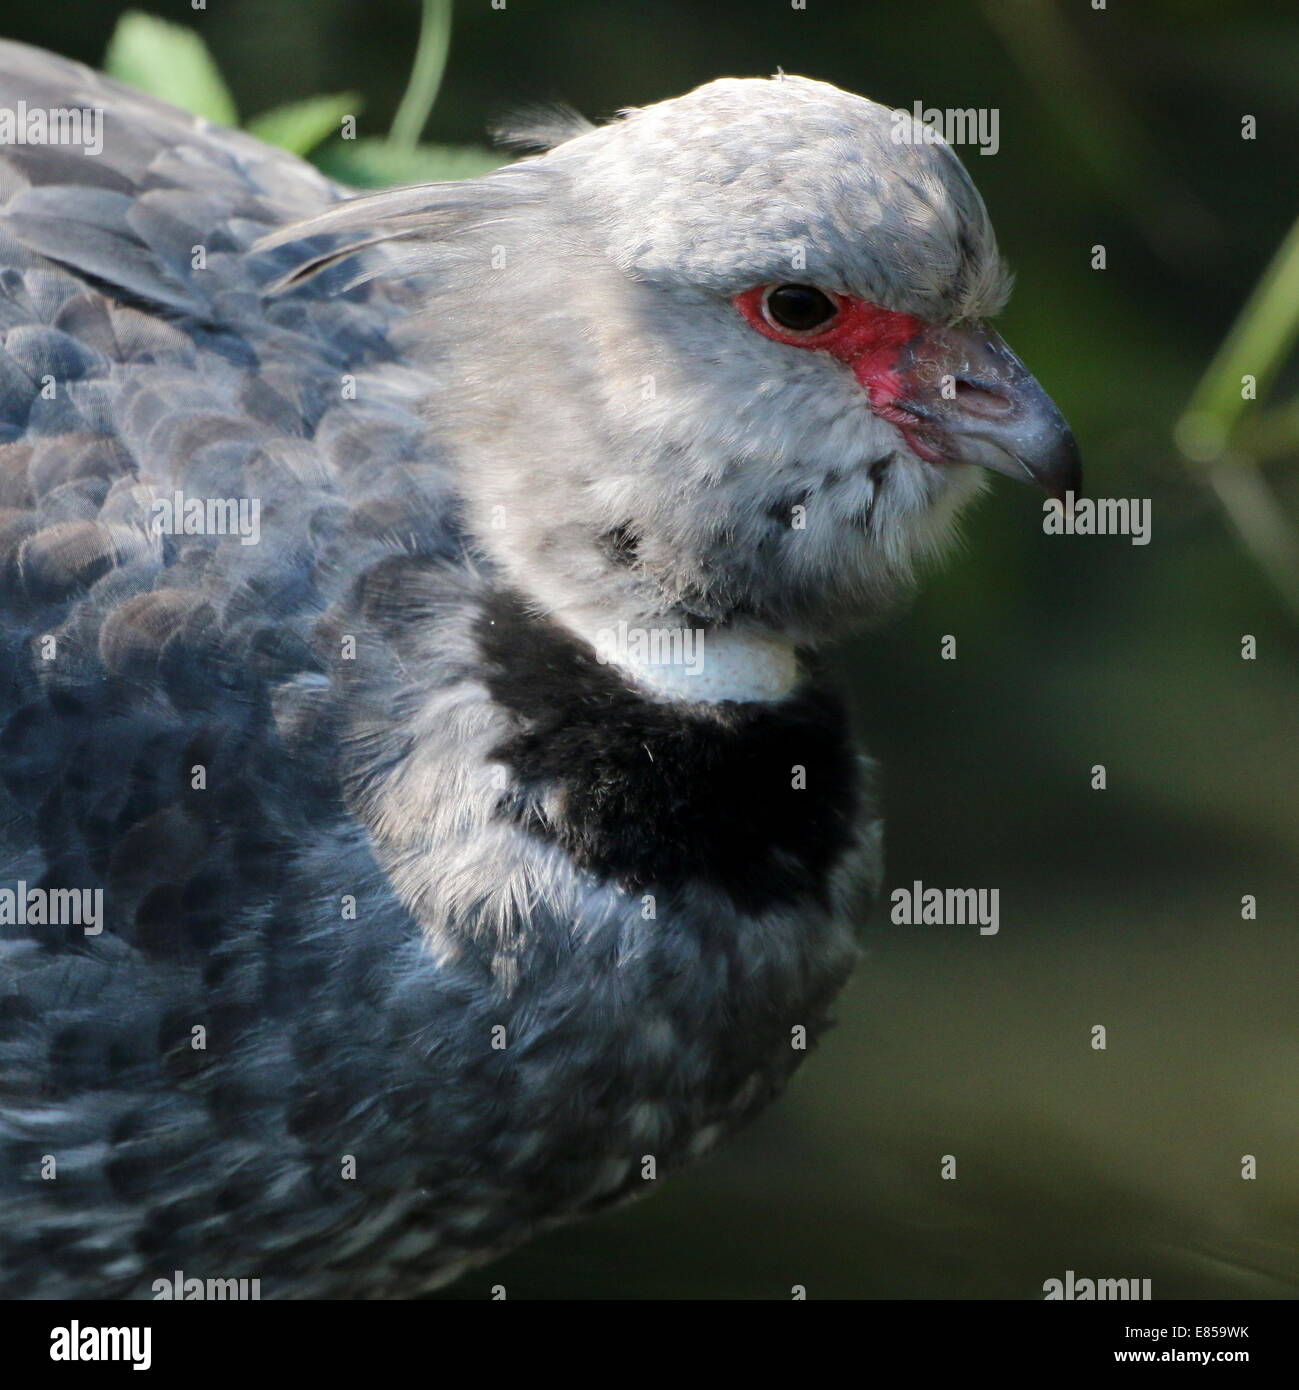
x=866, y=339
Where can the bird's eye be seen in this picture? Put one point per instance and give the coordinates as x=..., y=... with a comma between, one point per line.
x=799, y=308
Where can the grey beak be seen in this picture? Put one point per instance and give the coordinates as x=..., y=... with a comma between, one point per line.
x=973, y=401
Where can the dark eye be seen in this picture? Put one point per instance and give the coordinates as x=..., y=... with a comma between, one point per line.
x=799, y=308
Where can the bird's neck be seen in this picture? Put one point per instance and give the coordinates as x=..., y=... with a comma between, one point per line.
x=671, y=660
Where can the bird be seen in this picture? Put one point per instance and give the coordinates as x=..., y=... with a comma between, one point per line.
x=429, y=811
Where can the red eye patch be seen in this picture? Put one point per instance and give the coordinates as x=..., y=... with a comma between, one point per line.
x=863, y=336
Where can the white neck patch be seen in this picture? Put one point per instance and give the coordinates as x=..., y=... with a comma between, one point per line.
x=696, y=664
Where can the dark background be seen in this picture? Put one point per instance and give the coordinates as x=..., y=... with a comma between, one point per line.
x=1118, y=907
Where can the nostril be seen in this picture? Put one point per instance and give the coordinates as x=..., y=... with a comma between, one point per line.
x=976, y=399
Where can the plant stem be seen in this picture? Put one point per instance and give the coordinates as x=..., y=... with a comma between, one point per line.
x=1261, y=524
x=1210, y=433
x=1264, y=332
x=425, y=74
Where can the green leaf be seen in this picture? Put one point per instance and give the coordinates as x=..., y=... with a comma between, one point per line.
x=170, y=63
x=300, y=126
x=380, y=164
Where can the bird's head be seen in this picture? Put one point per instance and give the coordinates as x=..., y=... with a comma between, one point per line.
x=724, y=360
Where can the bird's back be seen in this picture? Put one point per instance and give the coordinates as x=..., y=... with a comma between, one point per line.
x=192, y=474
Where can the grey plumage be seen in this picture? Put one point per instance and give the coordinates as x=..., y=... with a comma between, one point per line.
x=450, y=991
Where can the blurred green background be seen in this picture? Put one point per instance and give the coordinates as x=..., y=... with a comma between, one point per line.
x=1119, y=907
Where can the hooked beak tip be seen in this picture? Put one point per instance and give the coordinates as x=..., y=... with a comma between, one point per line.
x=1058, y=469
x=996, y=417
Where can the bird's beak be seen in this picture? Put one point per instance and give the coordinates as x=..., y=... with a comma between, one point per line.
x=959, y=395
